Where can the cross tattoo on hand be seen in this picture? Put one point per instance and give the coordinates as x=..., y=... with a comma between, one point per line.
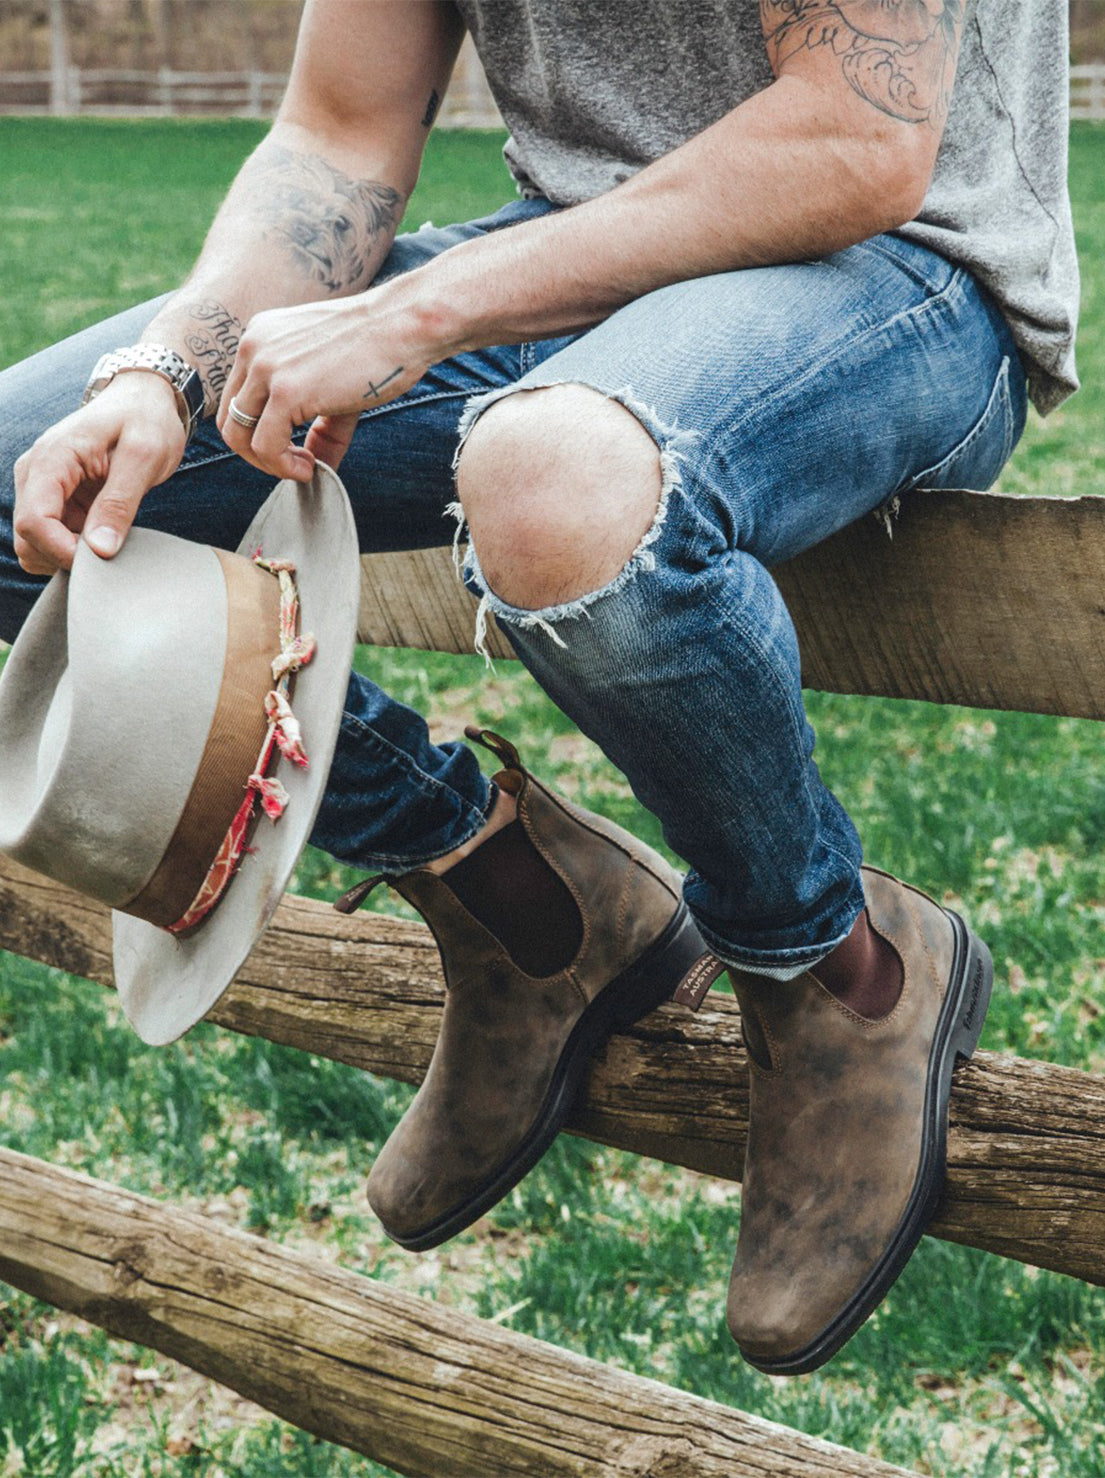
x=373, y=391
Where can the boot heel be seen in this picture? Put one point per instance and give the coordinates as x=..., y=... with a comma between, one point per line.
x=655, y=977
x=974, y=994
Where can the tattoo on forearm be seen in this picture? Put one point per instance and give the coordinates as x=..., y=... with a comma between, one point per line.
x=899, y=55
x=212, y=339
x=373, y=391
x=330, y=224
x=431, y=109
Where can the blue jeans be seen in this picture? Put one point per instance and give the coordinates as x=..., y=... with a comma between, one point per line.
x=785, y=402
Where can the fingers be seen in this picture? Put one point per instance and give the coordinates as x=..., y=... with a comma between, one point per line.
x=315, y=360
x=44, y=479
x=268, y=445
x=136, y=466
x=329, y=438
x=253, y=390
x=271, y=444
x=91, y=470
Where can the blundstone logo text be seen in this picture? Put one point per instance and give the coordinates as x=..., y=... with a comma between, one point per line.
x=976, y=991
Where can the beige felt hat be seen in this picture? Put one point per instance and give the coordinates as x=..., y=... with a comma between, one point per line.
x=140, y=716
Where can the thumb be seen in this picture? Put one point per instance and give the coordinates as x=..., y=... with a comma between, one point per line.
x=135, y=468
x=329, y=438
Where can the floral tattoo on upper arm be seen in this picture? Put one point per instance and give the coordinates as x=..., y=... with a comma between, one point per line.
x=899, y=55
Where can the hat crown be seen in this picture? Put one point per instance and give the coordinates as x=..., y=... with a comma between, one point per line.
x=101, y=719
x=101, y=734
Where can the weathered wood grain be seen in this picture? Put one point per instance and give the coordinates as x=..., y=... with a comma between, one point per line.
x=1027, y=1144
x=418, y=1386
x=978, y=598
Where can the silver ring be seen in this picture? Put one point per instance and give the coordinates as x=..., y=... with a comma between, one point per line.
x=240, y=416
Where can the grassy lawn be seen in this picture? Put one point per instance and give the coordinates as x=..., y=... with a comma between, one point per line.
x=974, y=1366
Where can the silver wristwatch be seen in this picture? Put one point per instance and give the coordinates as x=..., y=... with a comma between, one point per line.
x=185, y=380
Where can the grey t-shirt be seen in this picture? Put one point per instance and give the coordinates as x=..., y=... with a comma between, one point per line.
x=593, y=90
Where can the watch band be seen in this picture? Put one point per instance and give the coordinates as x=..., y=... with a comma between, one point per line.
x=160, y=360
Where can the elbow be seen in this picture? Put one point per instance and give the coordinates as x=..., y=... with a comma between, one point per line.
x=903, y=201
x=895, y=190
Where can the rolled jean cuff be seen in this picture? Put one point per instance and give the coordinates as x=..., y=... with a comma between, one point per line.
x=778, y=964
x=476, y=821
x=394, y=802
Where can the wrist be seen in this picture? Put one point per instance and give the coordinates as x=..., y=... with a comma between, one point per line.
x=146, y=394
x=433, y=322
x=152, y=361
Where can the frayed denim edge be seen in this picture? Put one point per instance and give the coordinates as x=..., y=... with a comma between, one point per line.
x=795, y=962
x=671, y=443
x=886, y=513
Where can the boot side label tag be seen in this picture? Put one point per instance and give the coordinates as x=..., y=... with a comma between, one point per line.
x=691, y=990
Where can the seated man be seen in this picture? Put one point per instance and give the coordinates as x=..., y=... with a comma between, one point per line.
x=769, y=269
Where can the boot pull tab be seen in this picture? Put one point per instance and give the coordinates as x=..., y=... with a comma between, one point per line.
x=350, y=902
x=500, y=747
x=691, y=990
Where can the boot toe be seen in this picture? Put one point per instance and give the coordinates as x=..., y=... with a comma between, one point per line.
x=427, y=1177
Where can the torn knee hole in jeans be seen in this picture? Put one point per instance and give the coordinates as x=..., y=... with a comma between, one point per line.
x=672, y=443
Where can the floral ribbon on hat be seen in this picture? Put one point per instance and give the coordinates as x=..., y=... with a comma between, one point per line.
x=283, y=734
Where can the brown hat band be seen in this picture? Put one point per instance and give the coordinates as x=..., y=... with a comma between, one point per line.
x=244, y=726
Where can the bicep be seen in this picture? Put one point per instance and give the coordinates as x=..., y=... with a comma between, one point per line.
x=378, y=66
x=896, y=56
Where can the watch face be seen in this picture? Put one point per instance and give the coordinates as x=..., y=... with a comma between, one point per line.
x=192, y=390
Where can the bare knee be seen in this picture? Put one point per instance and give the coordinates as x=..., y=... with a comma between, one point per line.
x=558, y=485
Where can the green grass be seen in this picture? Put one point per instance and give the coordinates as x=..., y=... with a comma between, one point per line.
x=974, y=1367
x=101, y=214
x=1065, y=455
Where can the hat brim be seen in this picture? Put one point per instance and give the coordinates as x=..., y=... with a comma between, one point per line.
x=167, y=984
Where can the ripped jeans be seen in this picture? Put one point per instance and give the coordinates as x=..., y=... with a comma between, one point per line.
x=785, y=402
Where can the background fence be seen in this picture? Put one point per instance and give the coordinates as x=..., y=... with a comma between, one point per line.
x=67, y=89
x=1087, y=91
x=166, y=91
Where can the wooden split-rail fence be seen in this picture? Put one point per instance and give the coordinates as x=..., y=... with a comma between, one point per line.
x=977, y=599
x=161, y=92
x=172, y=92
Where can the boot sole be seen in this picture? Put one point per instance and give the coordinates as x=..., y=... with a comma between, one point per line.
x=957, y=1032
x=646, y=984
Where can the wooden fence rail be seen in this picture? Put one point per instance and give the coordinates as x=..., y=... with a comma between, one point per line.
x=164, y=91
x=1026, y=1173
x=1087, y=91
x=429, y=1391
x=978, y=598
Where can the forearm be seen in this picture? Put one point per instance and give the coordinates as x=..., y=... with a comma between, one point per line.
x=307, y=218
x=776, y=180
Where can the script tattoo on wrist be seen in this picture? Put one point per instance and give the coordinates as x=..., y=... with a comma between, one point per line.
x=330, y=224
x=212, y=339
x=431, y=109
x=898, y=55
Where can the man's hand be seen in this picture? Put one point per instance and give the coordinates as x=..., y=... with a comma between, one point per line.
x=322, y=363
x=92, y=470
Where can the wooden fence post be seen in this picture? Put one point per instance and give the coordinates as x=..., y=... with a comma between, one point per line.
x=60, y=97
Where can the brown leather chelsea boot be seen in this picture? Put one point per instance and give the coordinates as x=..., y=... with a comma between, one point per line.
x=528, y=1000
x=848, y=1132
